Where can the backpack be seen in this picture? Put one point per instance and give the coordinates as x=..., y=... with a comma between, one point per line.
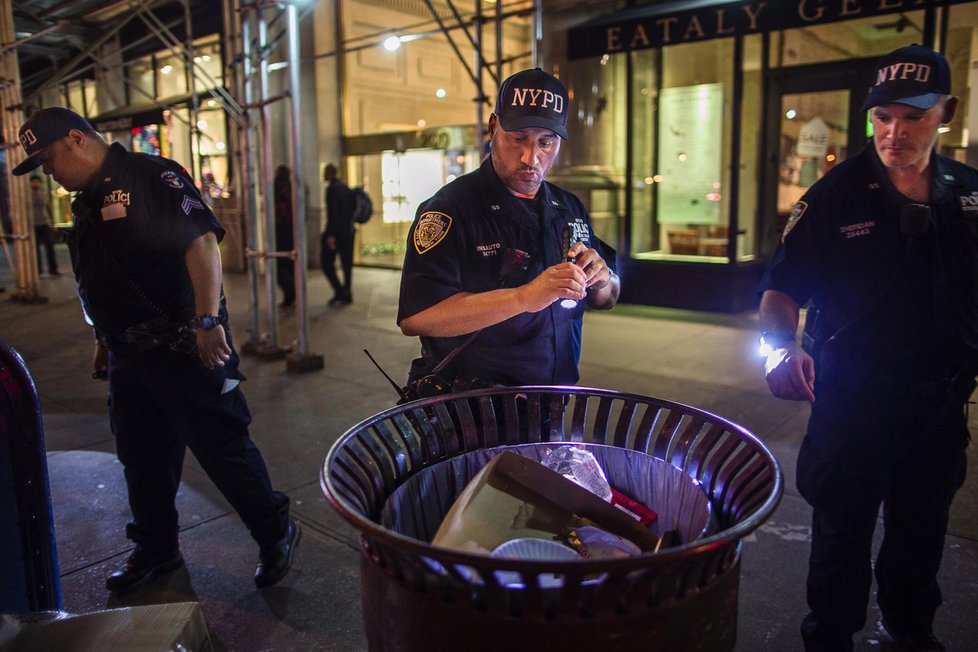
x=363, y=208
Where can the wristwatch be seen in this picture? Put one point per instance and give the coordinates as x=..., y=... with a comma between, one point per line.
x=206, y=322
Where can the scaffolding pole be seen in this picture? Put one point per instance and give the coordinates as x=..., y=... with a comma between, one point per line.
x=301, y=359
x=23, y=263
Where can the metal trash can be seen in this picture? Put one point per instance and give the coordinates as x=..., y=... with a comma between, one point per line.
x=29, y=576
x=417, y=596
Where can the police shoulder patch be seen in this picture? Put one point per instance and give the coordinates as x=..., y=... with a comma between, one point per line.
x=172, y=179
x=793, y=219
x=432, y=227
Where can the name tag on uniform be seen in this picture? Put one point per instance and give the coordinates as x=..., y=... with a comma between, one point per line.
x=113, y=212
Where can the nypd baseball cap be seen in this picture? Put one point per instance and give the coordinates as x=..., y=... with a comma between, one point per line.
x=44, y=127
x=532, y=98
x=913, y=75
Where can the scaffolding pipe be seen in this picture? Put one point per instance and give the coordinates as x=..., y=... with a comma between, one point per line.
x=537, y=27
x=480, y=119
x=451, y=41
x=499, y=45
x=298, y=197
x=66, y=69
x=21, y=221
x=188, y=71
x=268, y=195
x=476, y=40
x=248, y=186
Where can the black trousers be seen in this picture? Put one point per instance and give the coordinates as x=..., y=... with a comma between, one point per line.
x=344, y=247
x=162, y=402
x=867, y=446
x=44, y=238
x=285, y=266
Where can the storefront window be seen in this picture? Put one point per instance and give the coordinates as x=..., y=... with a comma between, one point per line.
x=398, y=182
x=207, y=63
x=212, y=150
x=645, y=90
x=171, y=79
x=592, y=162
x=178, y=133
x=82, y=97
x=687, y=182
x=957, y=139
x=750, y=142
x=141, y=80
x=852, y=39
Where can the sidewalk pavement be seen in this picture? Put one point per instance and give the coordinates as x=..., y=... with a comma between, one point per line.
x=703, y=359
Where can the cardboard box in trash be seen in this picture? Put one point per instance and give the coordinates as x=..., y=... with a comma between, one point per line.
x=177, y=626
x=514, y=497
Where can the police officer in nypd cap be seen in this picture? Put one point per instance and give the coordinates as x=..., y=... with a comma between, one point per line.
x=500, y=263
x=144, y=249
x=884, y=249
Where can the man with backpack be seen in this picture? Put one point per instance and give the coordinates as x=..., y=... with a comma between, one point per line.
x=338, y=236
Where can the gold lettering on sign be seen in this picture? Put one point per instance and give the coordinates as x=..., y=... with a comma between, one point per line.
x=694, y=27
x=720, y=28
x=639, y=38
x=850, y=7
x=753, y=11
x=804, y=15
x=666, y=24
x=613, y=43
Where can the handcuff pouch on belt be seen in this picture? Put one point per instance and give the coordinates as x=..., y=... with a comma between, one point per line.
x=426, y=379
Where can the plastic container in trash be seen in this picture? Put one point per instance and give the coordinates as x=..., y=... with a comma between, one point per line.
x=395, y=475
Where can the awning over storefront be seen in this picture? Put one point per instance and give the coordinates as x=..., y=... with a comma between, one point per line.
x=670, y=23
x=139, y=115
x=127, y=117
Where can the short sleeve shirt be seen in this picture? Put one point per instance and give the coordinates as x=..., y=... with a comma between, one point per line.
x=464, y=239
x=131, y=232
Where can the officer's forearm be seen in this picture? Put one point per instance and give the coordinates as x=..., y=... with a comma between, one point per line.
x=463, y=313
x=203, y=260
x=778, y=313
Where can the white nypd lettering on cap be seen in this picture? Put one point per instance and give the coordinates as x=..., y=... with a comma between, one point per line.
x=538, y=97
x=900, y=71
x=28, y=138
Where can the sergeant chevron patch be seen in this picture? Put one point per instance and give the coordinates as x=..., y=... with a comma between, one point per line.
x=189, y=203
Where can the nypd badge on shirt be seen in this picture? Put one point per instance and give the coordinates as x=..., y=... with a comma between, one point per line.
x=431, y=229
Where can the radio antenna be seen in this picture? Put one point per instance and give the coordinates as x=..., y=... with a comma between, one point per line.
x=396, y=387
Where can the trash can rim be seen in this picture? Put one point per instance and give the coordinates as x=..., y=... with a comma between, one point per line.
x=374, y=531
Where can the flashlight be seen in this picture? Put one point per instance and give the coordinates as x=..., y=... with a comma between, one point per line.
x=770, y=342
x=568, y=303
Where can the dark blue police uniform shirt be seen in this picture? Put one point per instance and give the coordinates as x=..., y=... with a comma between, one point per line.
x=890, y=293
x=457, y=244
x=131, y=230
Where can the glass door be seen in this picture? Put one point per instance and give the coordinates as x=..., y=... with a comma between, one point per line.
x=814, y=138
x=813, y=123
